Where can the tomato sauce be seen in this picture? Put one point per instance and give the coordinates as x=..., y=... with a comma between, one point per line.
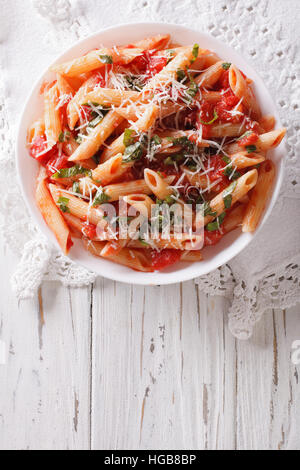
x=164, y=258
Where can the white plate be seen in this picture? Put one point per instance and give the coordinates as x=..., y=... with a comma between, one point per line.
x=215, y=256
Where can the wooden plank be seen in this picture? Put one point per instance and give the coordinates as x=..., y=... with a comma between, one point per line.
x=162, y=359
x=44, y=393
x=267, y=385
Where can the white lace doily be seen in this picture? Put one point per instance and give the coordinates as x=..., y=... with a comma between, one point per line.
x=265, y=274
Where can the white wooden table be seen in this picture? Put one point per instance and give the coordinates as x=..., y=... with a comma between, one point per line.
x=119, y=367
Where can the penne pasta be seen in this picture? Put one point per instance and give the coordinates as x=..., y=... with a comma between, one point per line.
x=142, y=125
x=96, y=137
x=208, y=78
x=51, y=214
x=241, y=89
x=95, y=60
x=53, y=127
x=259, y=196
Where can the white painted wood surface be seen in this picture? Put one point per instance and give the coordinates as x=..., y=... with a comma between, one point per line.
x=120, y=367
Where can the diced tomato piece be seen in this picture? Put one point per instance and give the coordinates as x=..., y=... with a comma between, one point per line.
x=226, y=105
x=206, y=113
x=100, y=79
x=57, y=163
x=212, y=238
x=89, y=230
x=38, y=150
x=249, y=139
x=156, y=64
x=162, y=259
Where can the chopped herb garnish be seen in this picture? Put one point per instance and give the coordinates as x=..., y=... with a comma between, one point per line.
x=133, y=152
x=195, y=51
x=229, y=171
x=192, y=90
x=212, y=226
x=63, y=204
x=172, y=159
x=128, y=137
x=251, y=148
x=142, y=242
x=100, y=197
x=226, y=65
x=64, y=136
x=180, y=75
x=207, y=210
x=212, y=120
x=227, y=195
x=156, y=139
x=182, y=141
x=170, y=54
x=76, y=187
x=106, y=59
x=71, y=172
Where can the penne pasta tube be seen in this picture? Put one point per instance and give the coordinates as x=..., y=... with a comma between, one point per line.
x=212, y=96
x=241, y=89
x=156, y=42
x=73, y=108
x=169, y=72
x=157, y=185
x=186, y=242
x=51, y=214
x=108, y=96
x=96, y=59
x=259, y=196
x=36, y=130
x=135, y=259
x=267, y=122
x=210, y=76
x=264, y=143
x=64, y=87
x=96, y=137
x=104, y=174
x=141, y=125
x=244, y=160
x=52, y=116
x=234, y=218
x=226, y=130
x=191, y=256
x=76, y=206
x=141, y=202
x=236, y=191
x=114, y=191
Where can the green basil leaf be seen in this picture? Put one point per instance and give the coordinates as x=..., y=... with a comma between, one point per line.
x=192, y=90
x=195, y=50
x=71, y=172
x=227, y=194
x=100, y=197
x=106, y=59
x=63, y=204
x=128, y=137
x=251, y=148
x=133, y=152
x=180, y=74
x=212, y=226
x=207, y=210
x=226, y=65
